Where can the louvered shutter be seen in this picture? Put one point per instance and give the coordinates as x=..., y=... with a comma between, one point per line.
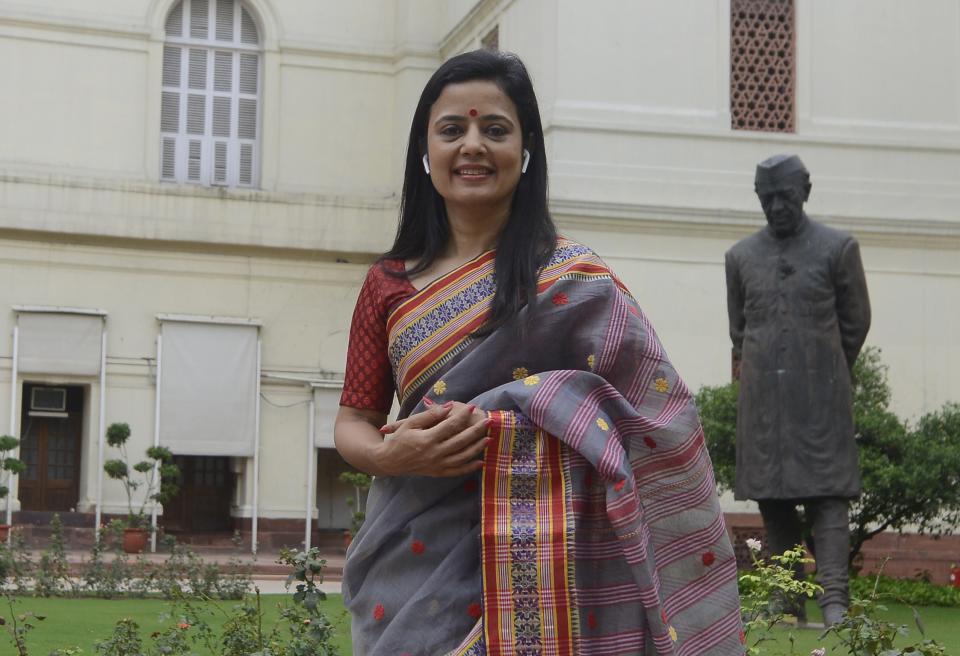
x=248, y=29
x=225, y=21
x=174, y=24
x=199, y=18
x=210, y=105
x=223, y=71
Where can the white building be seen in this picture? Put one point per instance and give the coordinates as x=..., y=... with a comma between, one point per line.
x=165, y=164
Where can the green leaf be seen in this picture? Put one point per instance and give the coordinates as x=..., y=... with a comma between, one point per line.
x=8, y=443
x=14, y=465
x=118, y=434
x=116, y=469
x=160, y=453
x=918, y=621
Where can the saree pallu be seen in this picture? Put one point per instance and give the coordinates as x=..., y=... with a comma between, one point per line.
x=594, y=527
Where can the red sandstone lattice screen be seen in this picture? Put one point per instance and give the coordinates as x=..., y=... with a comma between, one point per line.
x=492, y=40
x=762, y=65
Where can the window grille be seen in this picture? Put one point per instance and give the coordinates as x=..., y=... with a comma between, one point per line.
x=762, y=65
x=210, y=101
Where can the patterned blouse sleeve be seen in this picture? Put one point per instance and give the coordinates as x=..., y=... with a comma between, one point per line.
x=368, y=382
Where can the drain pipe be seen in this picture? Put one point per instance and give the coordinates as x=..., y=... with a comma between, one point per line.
x=13, y=419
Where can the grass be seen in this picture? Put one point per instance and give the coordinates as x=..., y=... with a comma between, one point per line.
x=81, y=622
x=941, y=624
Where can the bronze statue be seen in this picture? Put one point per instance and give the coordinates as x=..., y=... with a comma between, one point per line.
x=799, y=314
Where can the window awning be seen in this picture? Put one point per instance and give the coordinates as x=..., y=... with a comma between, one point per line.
x=59, y=342
x=328, y=404
x=208, y=387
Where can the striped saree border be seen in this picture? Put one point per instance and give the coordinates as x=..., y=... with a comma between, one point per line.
x=430, y=328
x=473, y=644
x=525, y=539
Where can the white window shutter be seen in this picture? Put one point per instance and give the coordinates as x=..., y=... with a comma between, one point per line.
x=170, y=112
x=220, y=162
x=249, y=68
x=171, y=65
x=248, y=29
x=174, y=26
x=225, y=20
x=247, y=119
x=223, y=71
x=168, y=162
x=198, y=68
x=246, y=164
x=199, y=18
x=221, y=116
x=193, y=162
x=209, y=117
x=196, y=113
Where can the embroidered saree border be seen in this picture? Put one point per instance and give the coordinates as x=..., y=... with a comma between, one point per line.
x=434, y=325
x=473, y=644
x=428, y=329
x=525, y=533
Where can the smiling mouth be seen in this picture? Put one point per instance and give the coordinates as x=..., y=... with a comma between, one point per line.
x=473, y=172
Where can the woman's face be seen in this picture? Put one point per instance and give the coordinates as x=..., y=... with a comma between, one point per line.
x=475, y=145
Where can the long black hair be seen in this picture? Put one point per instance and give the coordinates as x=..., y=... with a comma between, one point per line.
x=529, y=236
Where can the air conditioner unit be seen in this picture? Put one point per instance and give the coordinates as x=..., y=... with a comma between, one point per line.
x=48, y=399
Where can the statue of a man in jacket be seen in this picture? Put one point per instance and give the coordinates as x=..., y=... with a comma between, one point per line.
x=799, y=314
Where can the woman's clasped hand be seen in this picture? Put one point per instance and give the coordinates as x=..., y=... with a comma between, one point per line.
x=443, y=440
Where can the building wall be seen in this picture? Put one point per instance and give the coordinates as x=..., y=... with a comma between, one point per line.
x=644, y=168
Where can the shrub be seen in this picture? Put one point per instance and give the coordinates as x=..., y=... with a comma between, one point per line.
x=53, y=576
x=912, y=592
x=910, y=477
x=863, y=634
x=157, y=474
x=361, y=483
x=8, y=464
x=302, y=630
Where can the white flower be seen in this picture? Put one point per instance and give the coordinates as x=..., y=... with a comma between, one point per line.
x=754, y=545
x=819, y=651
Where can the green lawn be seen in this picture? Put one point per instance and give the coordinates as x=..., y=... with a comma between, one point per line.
x=81, y=622
x=941, y=624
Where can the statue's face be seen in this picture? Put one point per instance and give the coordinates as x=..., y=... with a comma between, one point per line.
x=782, y=199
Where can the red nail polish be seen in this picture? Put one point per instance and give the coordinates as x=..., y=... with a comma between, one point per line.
x=471, y=408
x=448, y=404
x=427, y=401
x=385, y=429
x=488, y=440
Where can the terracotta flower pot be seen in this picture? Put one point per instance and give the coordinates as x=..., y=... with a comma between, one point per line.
x=4, y=532
x=955, y=576
x=134, y=540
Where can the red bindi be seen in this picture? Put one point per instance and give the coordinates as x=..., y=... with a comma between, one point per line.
x=473, y=112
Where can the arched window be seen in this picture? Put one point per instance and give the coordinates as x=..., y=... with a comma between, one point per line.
x=209, y=115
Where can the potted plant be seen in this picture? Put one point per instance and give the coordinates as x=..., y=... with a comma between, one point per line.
x=8, y=467
x=361, y=483
x=157, y=474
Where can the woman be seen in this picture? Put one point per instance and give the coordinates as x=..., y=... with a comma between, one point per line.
x=546, y=489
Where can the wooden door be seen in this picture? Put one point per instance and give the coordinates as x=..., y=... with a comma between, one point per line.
x=203, y=502
x=50, y=448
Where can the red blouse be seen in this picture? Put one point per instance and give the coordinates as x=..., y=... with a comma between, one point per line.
x=368, y=383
